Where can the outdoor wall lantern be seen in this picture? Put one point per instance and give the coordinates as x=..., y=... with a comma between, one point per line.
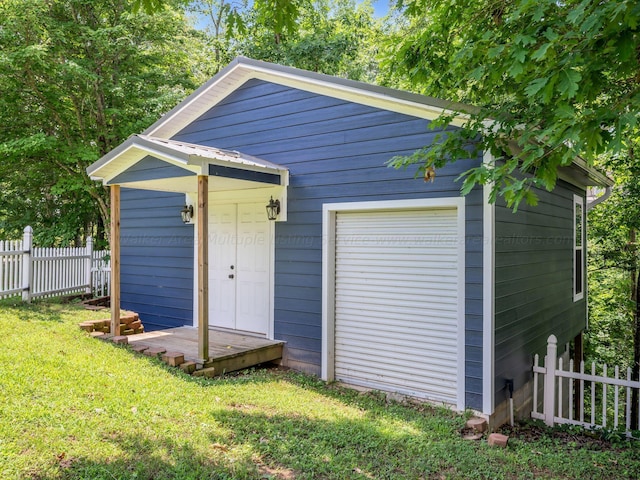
x=273, y=209
x=187, y=213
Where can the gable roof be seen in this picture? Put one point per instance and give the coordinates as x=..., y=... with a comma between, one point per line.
x=243, y=69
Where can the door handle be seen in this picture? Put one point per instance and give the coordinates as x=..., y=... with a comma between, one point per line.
x=231, y=275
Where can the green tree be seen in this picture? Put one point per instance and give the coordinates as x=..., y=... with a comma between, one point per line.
x=557, y=79
x=336, y=37
x=77, y=78
x=213, y=17
x=614, y=270
x=228, y=17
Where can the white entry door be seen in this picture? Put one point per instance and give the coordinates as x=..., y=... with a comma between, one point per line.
x=239, y=267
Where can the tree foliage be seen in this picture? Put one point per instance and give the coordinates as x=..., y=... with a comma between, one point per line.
x=80, y=77
x=77, y=78
x=336, y=37
x=558, y=79
x=614, y=261
x=614, y=270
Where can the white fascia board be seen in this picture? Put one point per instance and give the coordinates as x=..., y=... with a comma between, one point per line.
x=167, y=126
x=127, y=158
x=176, y=160
x=582, y=170
x=356, y=95
x=228, y=81
x=133, y=154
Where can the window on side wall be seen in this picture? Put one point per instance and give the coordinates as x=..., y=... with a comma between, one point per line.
x=578, y=248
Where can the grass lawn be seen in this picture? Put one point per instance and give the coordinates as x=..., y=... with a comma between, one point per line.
x=74, y=407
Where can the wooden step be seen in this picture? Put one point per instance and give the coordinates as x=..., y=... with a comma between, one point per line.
x=188, y=367
x=100, y=302
x=238, y=361
x=154, y=351
x=208, y=372
x=130, y=324
x=139, y=347
x=128, y=318
x=173, y=359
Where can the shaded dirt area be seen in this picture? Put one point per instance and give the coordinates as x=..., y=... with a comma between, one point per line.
x=572, y=437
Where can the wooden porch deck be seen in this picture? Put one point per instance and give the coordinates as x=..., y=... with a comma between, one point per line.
x=228, y=351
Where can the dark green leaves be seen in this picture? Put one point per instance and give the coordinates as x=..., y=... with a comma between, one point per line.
x=77, y=78
x=569, y=83
x=535, y=86
x=559, y=79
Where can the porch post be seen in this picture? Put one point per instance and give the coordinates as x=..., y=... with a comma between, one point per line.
x=115, y=260
x=203, y=268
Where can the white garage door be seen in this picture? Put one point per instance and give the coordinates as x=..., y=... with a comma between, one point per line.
x=396, y=301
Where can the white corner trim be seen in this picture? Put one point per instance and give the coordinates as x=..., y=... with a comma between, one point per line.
x=328, y=276
x=462, y=303
x=488, y=297
x=272, y=280
x=328, y=293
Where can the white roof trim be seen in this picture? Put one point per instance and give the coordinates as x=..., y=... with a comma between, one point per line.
x=243, y=69
x=191, y=157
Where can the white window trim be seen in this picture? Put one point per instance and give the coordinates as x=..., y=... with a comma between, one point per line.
x=328, y=276
x=578, y=200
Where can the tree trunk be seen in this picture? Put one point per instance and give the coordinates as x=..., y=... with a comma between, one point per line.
x=100, y=233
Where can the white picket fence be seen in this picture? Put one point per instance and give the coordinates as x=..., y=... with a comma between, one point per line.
x=591, y=400
x=34, y=272
x=101, y=273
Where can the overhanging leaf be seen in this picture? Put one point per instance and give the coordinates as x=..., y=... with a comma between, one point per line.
x=569, y=82
x=535, y=86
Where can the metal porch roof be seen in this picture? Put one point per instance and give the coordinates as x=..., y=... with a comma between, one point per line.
x=191, y=159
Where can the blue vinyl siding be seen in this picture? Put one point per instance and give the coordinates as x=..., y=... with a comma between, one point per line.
x=336, y=152
x=150, y=168
x=156, y=258
x=534, y=284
